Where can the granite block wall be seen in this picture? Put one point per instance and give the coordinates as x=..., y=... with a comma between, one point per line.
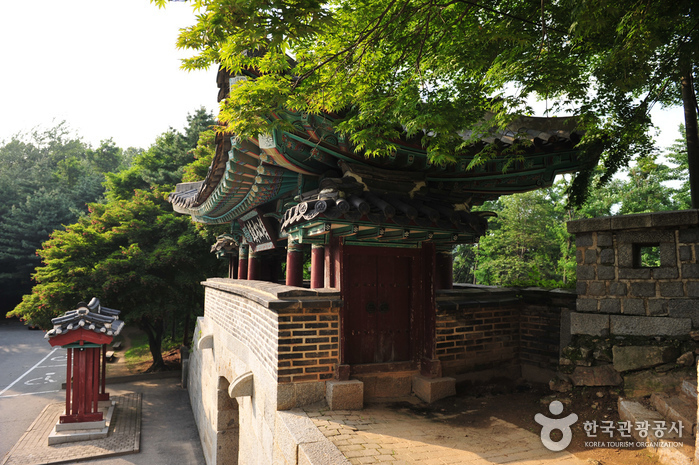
x=620, y=294
x=286, y=338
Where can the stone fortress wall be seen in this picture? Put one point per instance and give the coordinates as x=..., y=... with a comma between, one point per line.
x=262, y=350
x=637, y=309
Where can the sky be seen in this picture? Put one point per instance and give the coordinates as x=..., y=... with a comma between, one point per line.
x=111, y=69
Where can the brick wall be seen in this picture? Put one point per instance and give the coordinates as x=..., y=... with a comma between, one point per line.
x=540, y=326
x=293, y=332
x=479, y=327
x=308, y=344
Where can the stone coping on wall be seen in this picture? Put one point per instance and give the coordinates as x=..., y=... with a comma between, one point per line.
x=469, y=295
x=638, y=221
x=464, y=295
x=276, y=296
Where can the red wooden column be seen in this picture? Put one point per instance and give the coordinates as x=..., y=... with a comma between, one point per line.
x=69, y=378
x=333, y=267
x=104, y=395
x=233, y=267
x=83, y=404
x=444, y=270
x=430, y=365
x=243, y=261
x=294, y=264
x=317, y=266
x=253, y=266
x=96, y=379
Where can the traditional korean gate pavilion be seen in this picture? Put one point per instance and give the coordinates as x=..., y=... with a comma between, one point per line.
x=380, y=230
x=379, y=233
x=85, y=333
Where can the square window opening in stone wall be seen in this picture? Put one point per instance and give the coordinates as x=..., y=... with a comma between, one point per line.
x=646, y=255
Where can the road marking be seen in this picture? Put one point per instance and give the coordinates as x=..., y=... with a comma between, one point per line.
x=46, y=380
x=53, y=366
x=27, y=394
x=29, y=370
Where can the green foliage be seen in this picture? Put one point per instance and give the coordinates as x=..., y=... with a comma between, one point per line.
x=133, y=251
x=678, y=157
x=136, y=255
x=424, y=69
x=47, y=177
x=203, y=156
x=528, y=243
x=26, y=226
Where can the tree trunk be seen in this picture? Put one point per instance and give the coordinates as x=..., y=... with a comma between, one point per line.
x=692, y=130
x=154, y=332
x=185, y=336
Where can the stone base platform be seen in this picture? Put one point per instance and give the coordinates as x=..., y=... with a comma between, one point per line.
x=75, y=432
x=351, y=394
x=433, y=389
x=124, y=436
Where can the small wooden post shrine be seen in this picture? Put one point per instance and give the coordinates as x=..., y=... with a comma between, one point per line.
x=85, y=333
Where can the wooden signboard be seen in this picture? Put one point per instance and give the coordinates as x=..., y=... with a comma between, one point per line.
x=258, y=231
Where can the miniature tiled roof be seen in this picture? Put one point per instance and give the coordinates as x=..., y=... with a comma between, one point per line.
x=92, y=317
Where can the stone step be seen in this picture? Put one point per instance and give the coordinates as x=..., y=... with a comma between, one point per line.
x=670, y=448
x=689, y=388
x=678, y=410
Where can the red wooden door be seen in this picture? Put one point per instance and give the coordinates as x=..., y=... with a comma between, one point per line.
x=378, y=305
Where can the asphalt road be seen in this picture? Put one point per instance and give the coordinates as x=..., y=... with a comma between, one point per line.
x=31, y=374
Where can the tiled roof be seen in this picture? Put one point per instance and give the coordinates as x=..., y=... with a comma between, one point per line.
x=350, y=199
x=527, y=154
x=91, y=317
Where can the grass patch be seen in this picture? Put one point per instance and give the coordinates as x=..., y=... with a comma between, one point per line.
x=139, y=352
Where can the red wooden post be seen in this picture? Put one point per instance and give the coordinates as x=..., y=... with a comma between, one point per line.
x=95, y=379
x=444, y=270
x=430, y=366
x=81, y=381
x=76, y=382
x=253, y=266
x=103, y=394
x=89, y=380
x=332, y=263
x=233, y=267
x=294, y=264
x=79, y=334
x=69, y=380
x=243, y=261
x=317, y=266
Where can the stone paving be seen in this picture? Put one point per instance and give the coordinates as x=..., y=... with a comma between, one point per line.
x=378, y=435
x=124, y=436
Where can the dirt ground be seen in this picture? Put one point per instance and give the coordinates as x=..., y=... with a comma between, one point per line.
x=518, y=404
